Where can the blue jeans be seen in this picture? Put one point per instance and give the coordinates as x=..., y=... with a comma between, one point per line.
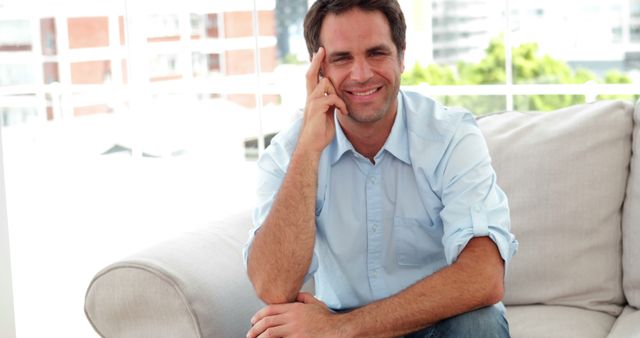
x=484, y=322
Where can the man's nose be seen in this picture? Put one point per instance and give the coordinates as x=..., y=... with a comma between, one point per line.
x=361, y=70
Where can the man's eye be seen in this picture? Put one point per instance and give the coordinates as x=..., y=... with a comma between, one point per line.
x=339, y=59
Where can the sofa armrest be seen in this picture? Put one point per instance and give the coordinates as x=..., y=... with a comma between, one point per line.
x=627, y=325
x=191, y=286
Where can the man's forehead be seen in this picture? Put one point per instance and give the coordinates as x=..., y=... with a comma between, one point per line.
x=369, y=29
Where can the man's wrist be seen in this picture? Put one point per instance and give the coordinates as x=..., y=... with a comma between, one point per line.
x=345, y=325
x=307, y=153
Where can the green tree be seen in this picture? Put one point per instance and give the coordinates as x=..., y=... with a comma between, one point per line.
x=529, y=67
x=616, y=77
x=432, y=74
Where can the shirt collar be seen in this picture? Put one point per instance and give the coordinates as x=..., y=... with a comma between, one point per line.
x=397, y=143
x=340, y=144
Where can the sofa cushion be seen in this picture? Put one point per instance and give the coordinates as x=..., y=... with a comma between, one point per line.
x=631, y=222
x=627, y=325
x=543, y=321
x=565, y=174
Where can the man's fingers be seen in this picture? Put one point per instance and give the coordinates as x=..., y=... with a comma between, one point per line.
x=270, y=310
x=314, y=70
x=341, y=106
x=323, y=88
x=307, y=298
x=272, y=332
x=326, y=105
x=267, y=327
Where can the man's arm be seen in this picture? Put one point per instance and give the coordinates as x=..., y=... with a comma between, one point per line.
x=282, y=249
x=474, y=281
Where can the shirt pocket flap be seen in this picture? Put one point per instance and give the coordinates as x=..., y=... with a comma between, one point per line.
x=417, y=241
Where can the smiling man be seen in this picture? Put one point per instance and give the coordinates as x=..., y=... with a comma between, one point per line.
x=385, y=197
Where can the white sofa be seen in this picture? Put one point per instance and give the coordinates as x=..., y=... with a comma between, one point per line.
x=573, y=181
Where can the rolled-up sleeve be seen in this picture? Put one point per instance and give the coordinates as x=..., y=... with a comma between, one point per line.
x=473, y=204
x=269, y=179
x=271, y=170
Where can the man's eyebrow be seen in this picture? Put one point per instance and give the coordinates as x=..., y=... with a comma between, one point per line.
x=338, y=55
x=379, y=48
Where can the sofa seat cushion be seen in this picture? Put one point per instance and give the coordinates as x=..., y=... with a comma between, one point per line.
x=547, y=321
x=565, y=174
x=627, y=325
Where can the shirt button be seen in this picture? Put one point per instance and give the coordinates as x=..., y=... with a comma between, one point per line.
x=374, y=227
x=476, y=208
x=373, y=180
x=374, y=274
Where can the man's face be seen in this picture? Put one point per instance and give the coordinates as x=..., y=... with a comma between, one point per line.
x=362, y=63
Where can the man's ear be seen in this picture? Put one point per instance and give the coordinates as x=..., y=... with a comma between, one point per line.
x=401, y=56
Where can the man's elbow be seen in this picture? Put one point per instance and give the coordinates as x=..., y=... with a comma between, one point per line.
x=269, y=291
x=271, y=295
x=493, y=288
x=494, y=292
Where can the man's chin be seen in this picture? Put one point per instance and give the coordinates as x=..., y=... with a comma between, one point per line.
x=365, y=117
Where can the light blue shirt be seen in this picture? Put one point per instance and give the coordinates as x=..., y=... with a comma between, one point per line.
x=382, y=227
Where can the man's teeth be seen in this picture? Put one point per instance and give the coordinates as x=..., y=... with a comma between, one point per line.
x=365, y=93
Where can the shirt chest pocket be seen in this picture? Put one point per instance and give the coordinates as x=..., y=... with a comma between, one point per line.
x=417, y=241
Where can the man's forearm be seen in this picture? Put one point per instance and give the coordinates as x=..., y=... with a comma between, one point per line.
x=283, y=247
x=474, y=281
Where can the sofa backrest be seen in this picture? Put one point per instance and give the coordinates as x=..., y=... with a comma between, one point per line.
x=565, y=173
x=631, y=221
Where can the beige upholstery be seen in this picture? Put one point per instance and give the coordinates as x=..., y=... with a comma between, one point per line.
x=631, y=222
x=124, y=282
x=570, y=240
x=192, y=286
x=550, y=321
x=573, y=186
x=627, y=324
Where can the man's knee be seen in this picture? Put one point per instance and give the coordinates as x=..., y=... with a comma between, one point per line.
x=485, y=322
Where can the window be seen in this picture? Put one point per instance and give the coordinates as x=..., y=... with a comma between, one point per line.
x=125, y=124
x=581, y=50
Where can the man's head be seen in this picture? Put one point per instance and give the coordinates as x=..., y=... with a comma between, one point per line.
x=364, y=44
x=319, y=10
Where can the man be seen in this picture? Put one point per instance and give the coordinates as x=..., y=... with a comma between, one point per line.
x=383, y=196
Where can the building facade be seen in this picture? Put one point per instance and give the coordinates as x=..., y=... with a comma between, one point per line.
x=80, y=61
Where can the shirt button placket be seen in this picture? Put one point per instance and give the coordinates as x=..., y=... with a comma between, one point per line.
x=374, y=238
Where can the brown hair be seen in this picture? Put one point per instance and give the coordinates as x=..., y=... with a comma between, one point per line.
x=390, y=8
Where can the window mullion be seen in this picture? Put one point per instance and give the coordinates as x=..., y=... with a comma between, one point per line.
x=508, y=57
x=258, y=92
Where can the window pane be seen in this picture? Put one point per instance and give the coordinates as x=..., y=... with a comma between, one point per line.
x=584, y=42
x=454, y=42
x=282, y=62
x=18, y=109
x=16, y=74
x=115, y=141
x=15, y=35
x=478, y=104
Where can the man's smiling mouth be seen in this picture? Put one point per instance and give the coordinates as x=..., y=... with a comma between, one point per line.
x=364, y=93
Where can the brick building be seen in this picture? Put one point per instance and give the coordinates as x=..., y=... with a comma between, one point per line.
x=89, y=56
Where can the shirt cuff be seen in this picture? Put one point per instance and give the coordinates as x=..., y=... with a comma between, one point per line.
x=480, y=227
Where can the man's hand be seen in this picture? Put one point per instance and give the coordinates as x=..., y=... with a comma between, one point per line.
x=319, y=128
x=308, y=317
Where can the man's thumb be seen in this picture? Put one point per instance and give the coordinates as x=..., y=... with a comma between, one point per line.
x=307, y=298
